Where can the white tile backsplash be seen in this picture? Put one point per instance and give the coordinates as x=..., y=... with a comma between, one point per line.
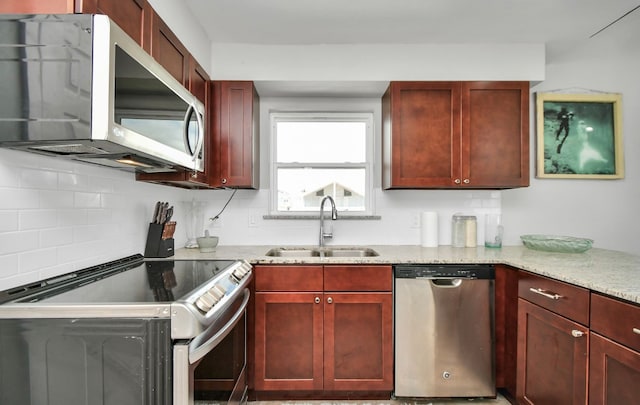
x=57, y=215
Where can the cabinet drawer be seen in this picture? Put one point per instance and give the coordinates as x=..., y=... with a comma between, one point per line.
x=288, y=278
x=564, y=299
x=357, y=278
x=617, y=320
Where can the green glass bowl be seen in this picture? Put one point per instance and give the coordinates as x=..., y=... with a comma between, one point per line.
x=552, y=243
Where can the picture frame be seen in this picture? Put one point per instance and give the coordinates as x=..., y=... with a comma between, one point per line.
x=579, y=136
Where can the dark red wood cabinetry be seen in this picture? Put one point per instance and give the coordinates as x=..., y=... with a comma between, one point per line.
x=235, y=112
x=614, y=367
x=455, y=134
x=323, y=329
x=167, y=49
x=133, y=16
x=506, y=331
x=553, y=341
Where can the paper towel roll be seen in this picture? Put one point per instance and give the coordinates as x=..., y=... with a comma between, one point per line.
x=429, y=229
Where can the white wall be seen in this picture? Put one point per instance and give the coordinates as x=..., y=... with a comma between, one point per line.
x=604, y=210
x=383, y=62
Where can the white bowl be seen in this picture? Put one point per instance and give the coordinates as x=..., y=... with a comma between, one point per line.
x=207, y=243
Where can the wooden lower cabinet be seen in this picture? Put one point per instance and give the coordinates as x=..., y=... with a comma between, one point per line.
x=614, y=376
x=552, y=357
x=357, y=342
x=288, y=336
x=321, y=341
x=614, y=363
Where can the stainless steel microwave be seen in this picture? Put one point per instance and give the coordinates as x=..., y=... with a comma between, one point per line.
x=76, y=86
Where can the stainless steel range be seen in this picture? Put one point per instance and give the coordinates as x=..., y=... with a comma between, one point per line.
x=132, y=331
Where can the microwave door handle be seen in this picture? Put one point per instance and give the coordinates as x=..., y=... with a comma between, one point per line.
x=199, y=133
x=201, y=129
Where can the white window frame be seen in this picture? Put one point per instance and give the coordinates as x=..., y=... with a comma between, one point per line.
x=366, y=117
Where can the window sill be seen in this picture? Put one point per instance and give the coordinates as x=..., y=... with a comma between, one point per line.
x=317, y=217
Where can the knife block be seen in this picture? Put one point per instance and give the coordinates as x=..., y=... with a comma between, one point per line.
x=156, y=245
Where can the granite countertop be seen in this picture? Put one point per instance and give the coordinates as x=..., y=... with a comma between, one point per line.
x=607, y=271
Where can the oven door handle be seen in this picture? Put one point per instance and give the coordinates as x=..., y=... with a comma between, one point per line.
x=202, y=350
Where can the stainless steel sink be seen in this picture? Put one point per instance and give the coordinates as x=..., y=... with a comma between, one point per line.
x=288, y=252
x=348, y=252
x=322, y=252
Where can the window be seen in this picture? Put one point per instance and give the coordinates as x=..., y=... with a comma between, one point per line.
x=319, y=154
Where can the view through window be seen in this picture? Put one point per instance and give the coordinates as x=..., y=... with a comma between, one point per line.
x=315, y=155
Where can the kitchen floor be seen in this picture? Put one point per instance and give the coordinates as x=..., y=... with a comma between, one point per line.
x=500, y=400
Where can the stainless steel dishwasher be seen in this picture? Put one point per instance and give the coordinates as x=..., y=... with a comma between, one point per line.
x=444, y=331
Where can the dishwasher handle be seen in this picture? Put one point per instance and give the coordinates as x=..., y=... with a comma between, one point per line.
x=446, y=282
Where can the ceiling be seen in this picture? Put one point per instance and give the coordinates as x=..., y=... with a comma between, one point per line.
x=558, y=24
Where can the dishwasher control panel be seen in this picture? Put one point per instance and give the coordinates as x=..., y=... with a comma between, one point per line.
x=471, y=271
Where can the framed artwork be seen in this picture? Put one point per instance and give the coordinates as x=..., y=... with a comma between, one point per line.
x=579, y=136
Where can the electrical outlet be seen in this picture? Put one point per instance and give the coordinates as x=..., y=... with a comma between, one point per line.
x=253, y=220
x=415, y=220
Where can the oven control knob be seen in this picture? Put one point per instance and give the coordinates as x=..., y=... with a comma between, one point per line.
x=205, y=302
x=240, y=272
x=217, y=291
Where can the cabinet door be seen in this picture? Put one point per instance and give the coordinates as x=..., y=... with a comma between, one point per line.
x=421, y=134
x=133, y=16
x=614, y=374
x=506, y=332
x=552, y=357
x=288, y=341
x=167, y=49
x=495, y=134
x=358, y=345
x=198, y=81
x=235, y=134
x=37, y=7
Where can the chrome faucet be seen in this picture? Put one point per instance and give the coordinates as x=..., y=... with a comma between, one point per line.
x=334, y=216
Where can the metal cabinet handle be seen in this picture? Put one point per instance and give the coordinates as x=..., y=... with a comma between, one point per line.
x=329, y=300
x=636, y=331
x=317, y=300
x=577, y=333
x=224, y=181
x=466, y=181
x=542, y=292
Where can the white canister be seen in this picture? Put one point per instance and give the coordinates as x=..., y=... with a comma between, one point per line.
x=458, y=231
x=471, y=231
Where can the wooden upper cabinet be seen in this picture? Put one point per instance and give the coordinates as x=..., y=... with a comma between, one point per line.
x=236, y=143
x=495, y=134
x=37, y=6
x=455, y=134
x=198, y=81
x=133, y=16
x=167, y=49
x=421, y=134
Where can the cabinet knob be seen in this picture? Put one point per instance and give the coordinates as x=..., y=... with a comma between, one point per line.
x=224, y=181
x=466, y=181
x=457, y=181
x=329, y=300
x=317, y=300
x=577, y=333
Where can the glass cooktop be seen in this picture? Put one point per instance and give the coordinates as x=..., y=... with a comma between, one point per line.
x=148, y=282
